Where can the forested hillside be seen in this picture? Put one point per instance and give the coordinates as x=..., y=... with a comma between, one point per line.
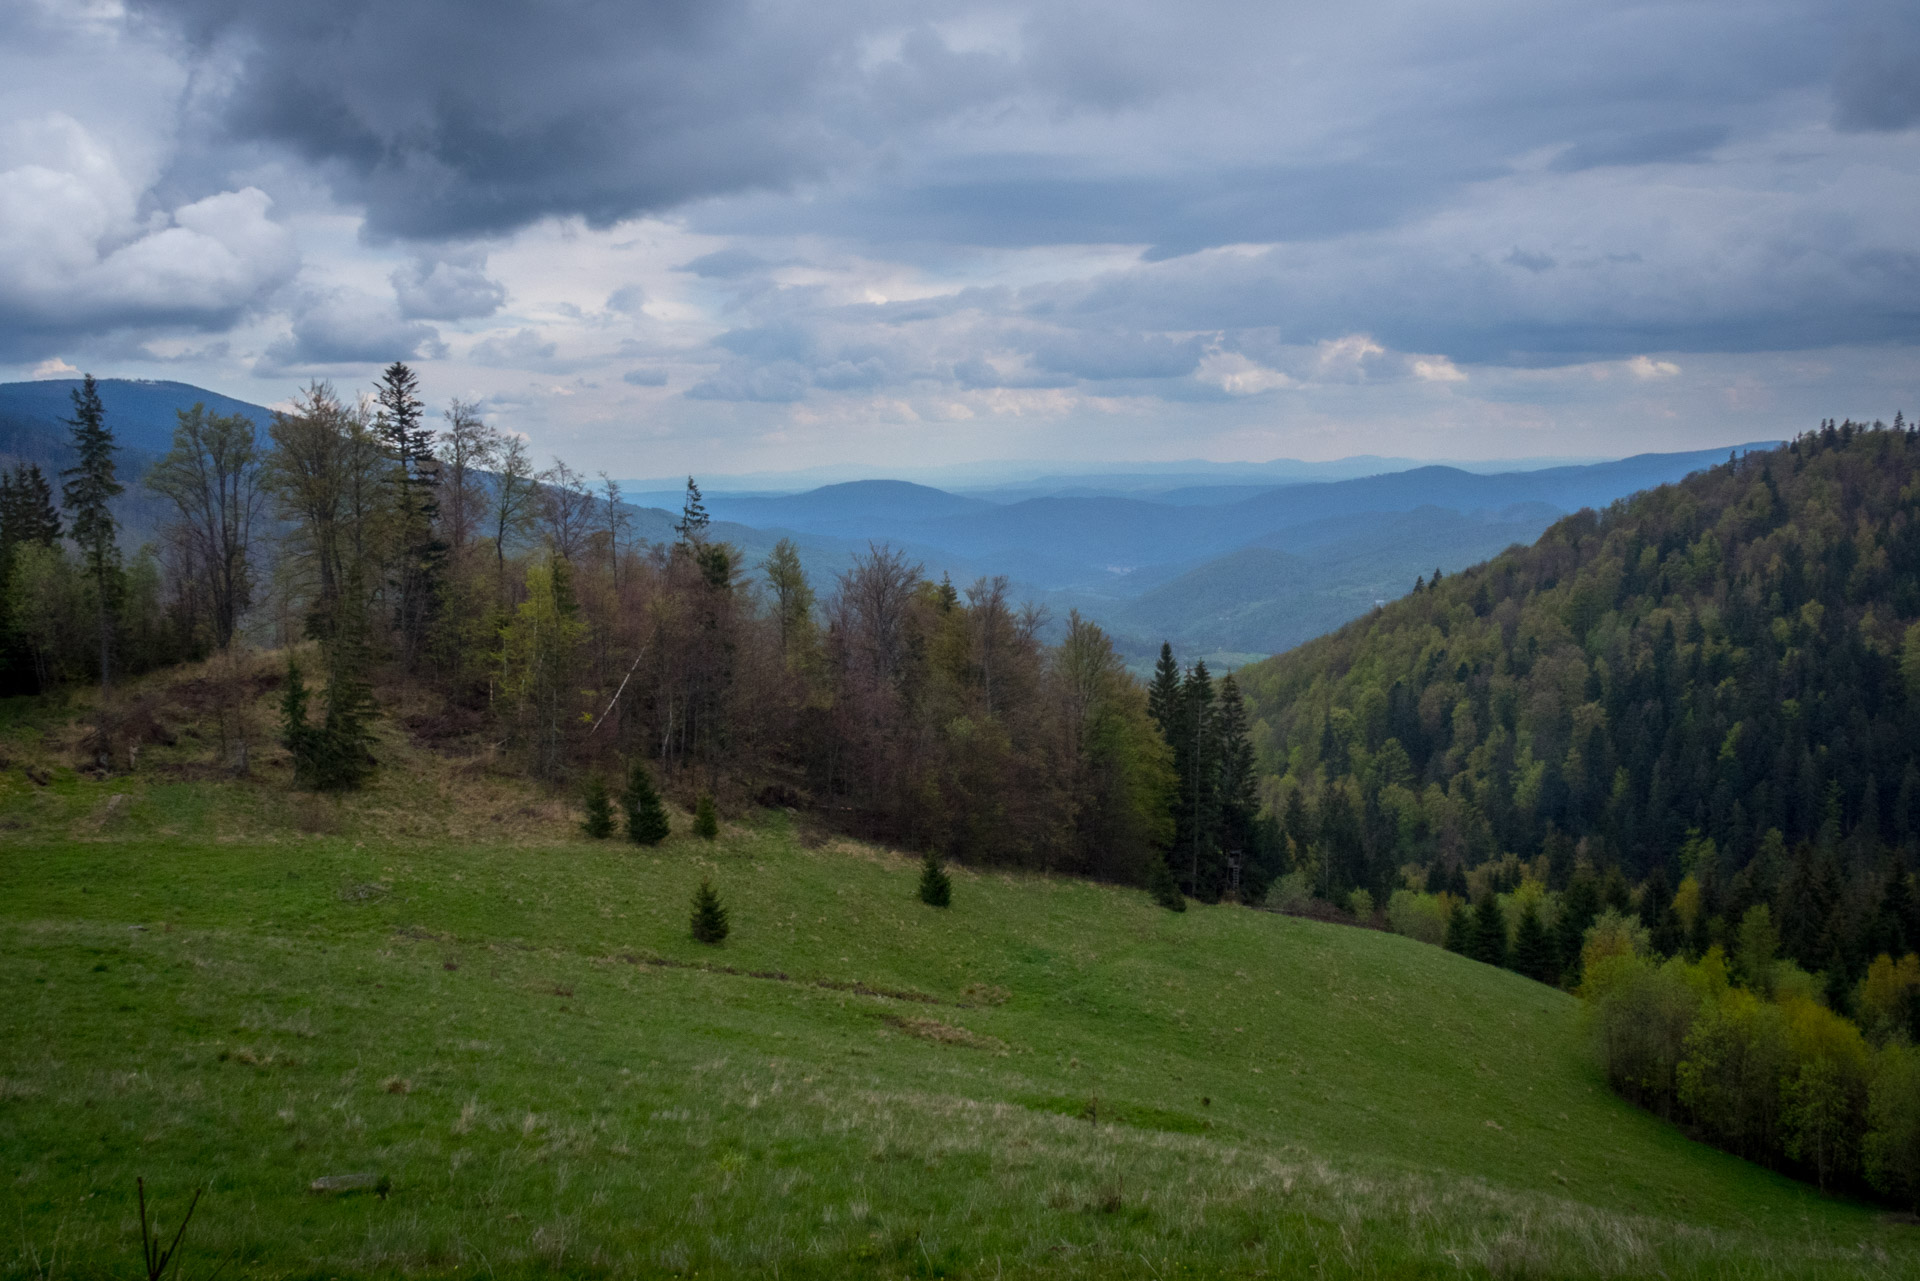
x=1717, y=679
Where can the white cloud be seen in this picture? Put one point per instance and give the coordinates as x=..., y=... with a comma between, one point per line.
x=1234, y=374
x=1438, y=369
x=55, y=367
x=1647, y=367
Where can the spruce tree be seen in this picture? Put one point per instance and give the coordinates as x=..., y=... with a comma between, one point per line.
x=692, y=525
x=646, y=815
x=1459, y=936
x=1165, y=890
x=709, y=915
x=1237, y=802
x=1163, y=696
x=706, y=821
x=936, y=887
x=90, y=486
x=1533, y=951
x=419, y=553
x=1196, y=762
x=598, y=822
x=1489, y=943
x=1579, y=905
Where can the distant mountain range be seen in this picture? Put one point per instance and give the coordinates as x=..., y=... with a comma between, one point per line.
x=1228, y=560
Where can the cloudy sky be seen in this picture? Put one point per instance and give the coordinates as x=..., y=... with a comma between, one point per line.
x=727, y=235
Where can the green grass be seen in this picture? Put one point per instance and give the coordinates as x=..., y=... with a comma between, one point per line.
x=1049, y=1078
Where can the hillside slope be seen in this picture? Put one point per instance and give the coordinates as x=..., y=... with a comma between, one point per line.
x=226, y=983
x=1731, y=659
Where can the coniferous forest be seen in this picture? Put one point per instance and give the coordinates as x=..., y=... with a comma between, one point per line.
x=1715, y=682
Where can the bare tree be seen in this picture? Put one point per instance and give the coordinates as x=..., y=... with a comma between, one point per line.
x=615, y=518
x=566, y=508
x=468, y=447
x=516, y=494
x=212, y=477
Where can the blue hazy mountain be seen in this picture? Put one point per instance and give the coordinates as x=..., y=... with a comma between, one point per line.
x=142, y=414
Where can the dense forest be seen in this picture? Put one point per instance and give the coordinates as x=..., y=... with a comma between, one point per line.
x=1712, y=685
x=435, y=582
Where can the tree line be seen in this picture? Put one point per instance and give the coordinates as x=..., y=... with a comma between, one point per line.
x=402, y=563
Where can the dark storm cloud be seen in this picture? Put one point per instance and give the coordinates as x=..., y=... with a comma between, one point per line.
x=460, y=117
x=1877, y=86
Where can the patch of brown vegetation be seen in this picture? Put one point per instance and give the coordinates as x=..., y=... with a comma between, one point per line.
x=944, y=1033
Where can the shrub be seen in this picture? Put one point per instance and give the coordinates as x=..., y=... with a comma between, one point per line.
x=1642, y=1015
x=936, y=888
x=1360, y=903
x=1418, y=916
x=1730, y=1078
x=706, y=821
x=646, y=816
x=599, y=820
x=1166, y=890
x=709, y=914
x=1292, y=892
x=1892, y=1147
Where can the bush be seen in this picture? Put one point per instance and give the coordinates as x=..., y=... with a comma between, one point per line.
x=1892, y=1148
x=1642, y=1015
x=599, y=820
x=1418, y=916
x=936, y=888
x=709, y=915
x=1165, y=890
x=706, y=822
x=1292, y=892
x=1360, y=903
x=646, y=816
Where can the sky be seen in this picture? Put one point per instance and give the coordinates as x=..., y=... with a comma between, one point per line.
x=733, y=236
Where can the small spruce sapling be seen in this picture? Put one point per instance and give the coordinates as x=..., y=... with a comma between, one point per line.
x=646, y=816
x=936, y=887
x=709, y=916
x=599, y=820
x=706, y=821
x=1165, y=890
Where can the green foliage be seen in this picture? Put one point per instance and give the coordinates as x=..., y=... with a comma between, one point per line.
x=936, y=887
x=332, y=756
x=1488, y=941
x=1893, y=1139
x=646, y=814
x=1164, y=888
x=709, y=915
x=1658, y=688
x=539, y=654
x=706, y=819
x=598, y=805
x=90, y=485
x=1460, y=934
x=1533, y=952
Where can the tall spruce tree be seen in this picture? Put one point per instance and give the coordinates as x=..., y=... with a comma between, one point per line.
x=1489, y=943
x=693, y=522
x=1533, y=951
x=1237, y=804
x=1163, y=695
x=1579, y=906
x=89, y=486
x=419, y=552
x=645, y=813
x=1196, y=760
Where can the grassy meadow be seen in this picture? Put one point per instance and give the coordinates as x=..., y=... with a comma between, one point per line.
x=438, y=985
